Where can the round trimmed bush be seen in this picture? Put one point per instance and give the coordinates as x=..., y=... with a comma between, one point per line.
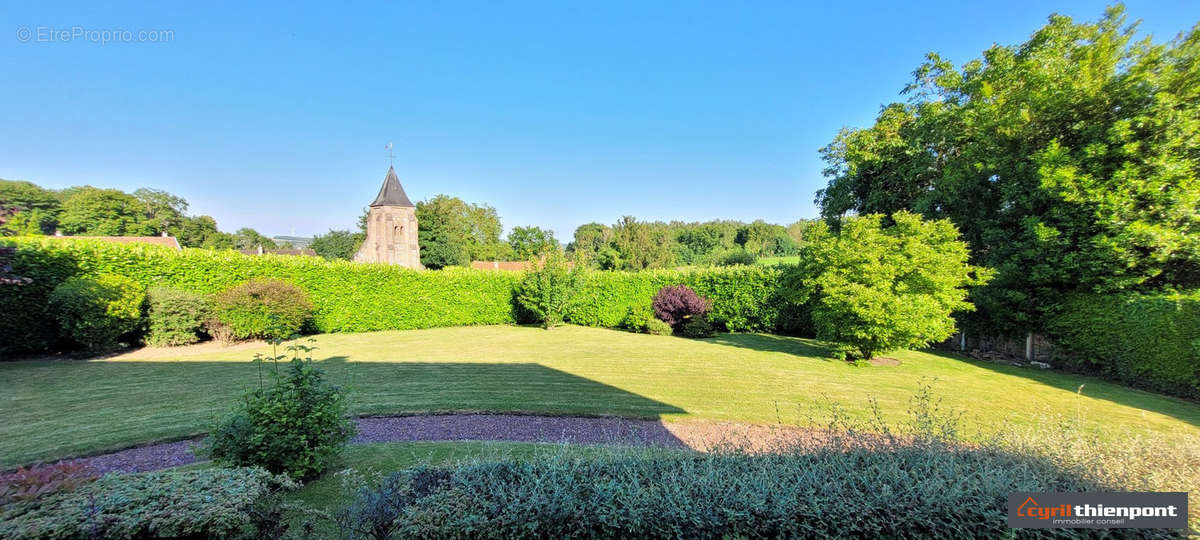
x=637, y=317
x=176, y=317
x=675, y=304
x=263, y=309
x=96, y=312
x=657, y=327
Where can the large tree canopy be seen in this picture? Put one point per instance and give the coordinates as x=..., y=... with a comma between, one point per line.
x=875, y=288
x=103, y=212
x=529, y=242
x=1069, y=162
x=454, y=233
x=337, y=244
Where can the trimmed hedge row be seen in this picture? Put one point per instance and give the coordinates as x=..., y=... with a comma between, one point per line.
x=355, y=297
x=1150, y=341
x=914, y=492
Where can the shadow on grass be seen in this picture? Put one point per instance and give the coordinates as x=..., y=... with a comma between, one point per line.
x=1093, y=387
x=773, y=343
x=156, y=401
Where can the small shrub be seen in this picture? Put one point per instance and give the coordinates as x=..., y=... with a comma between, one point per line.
x=28, y=484
x=697, y=327
x=640, y=318
x=551, y=289
x=297, y=425
x=374, y=511
x=263, y=309
x=658, y=328
x=176, y=317
x=637, y=318
x=734, y=258
x=96, y=312
x=209, y=503
x=677, y=303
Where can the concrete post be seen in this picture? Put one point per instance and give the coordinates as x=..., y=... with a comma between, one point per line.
x=1029, y=347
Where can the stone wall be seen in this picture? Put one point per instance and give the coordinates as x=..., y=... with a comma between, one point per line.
x=391, y=237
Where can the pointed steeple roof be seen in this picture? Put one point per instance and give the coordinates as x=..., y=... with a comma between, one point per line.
x=392, y=193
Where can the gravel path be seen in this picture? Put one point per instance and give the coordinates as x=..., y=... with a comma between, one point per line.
x=495, y=427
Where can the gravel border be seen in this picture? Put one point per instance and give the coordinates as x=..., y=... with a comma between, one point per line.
x=496, y=427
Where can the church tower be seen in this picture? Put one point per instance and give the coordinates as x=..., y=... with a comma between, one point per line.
x=391, y=227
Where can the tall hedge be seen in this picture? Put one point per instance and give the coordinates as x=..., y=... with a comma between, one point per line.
x=355, y=297
x=1151, y=341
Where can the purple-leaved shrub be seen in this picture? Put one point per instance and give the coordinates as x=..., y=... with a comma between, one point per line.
x=675, y=304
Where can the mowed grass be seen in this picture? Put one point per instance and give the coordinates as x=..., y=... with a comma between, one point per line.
x=59, y=408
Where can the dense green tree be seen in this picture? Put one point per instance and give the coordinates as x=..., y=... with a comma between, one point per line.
x=1069, y=162
x=362, y=220
x=484, y=234
x=590, y=239
x=201, y=232
x=247, y=238
x=766, y=240
x=337, y=244
x=798, y=231
x=876, y=288
x=35, y=209
x=453, y=233
x=529, y=242
x=551, y=289
x=164, y=211
x=641, y=245
x=696, y=242
x=103, y=212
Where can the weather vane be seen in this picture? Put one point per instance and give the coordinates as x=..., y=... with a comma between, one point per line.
x=390, y=155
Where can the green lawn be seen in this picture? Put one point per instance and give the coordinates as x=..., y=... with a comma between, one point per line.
x=58, y=408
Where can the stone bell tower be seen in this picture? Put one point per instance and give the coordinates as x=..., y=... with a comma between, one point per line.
x=391, y=227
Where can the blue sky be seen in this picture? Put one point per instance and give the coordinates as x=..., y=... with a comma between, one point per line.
x=556, y=113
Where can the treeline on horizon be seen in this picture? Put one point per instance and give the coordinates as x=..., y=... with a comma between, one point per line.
x=452, y=231
x=92, y=211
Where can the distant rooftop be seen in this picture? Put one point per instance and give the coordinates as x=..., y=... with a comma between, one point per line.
x=392, y=193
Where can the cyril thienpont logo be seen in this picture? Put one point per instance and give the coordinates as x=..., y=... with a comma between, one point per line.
x=1098, y=510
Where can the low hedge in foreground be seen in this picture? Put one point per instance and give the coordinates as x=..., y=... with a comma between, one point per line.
x=355, y=297
x=1150, y=341
x=210, y=503
x=916, y=491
